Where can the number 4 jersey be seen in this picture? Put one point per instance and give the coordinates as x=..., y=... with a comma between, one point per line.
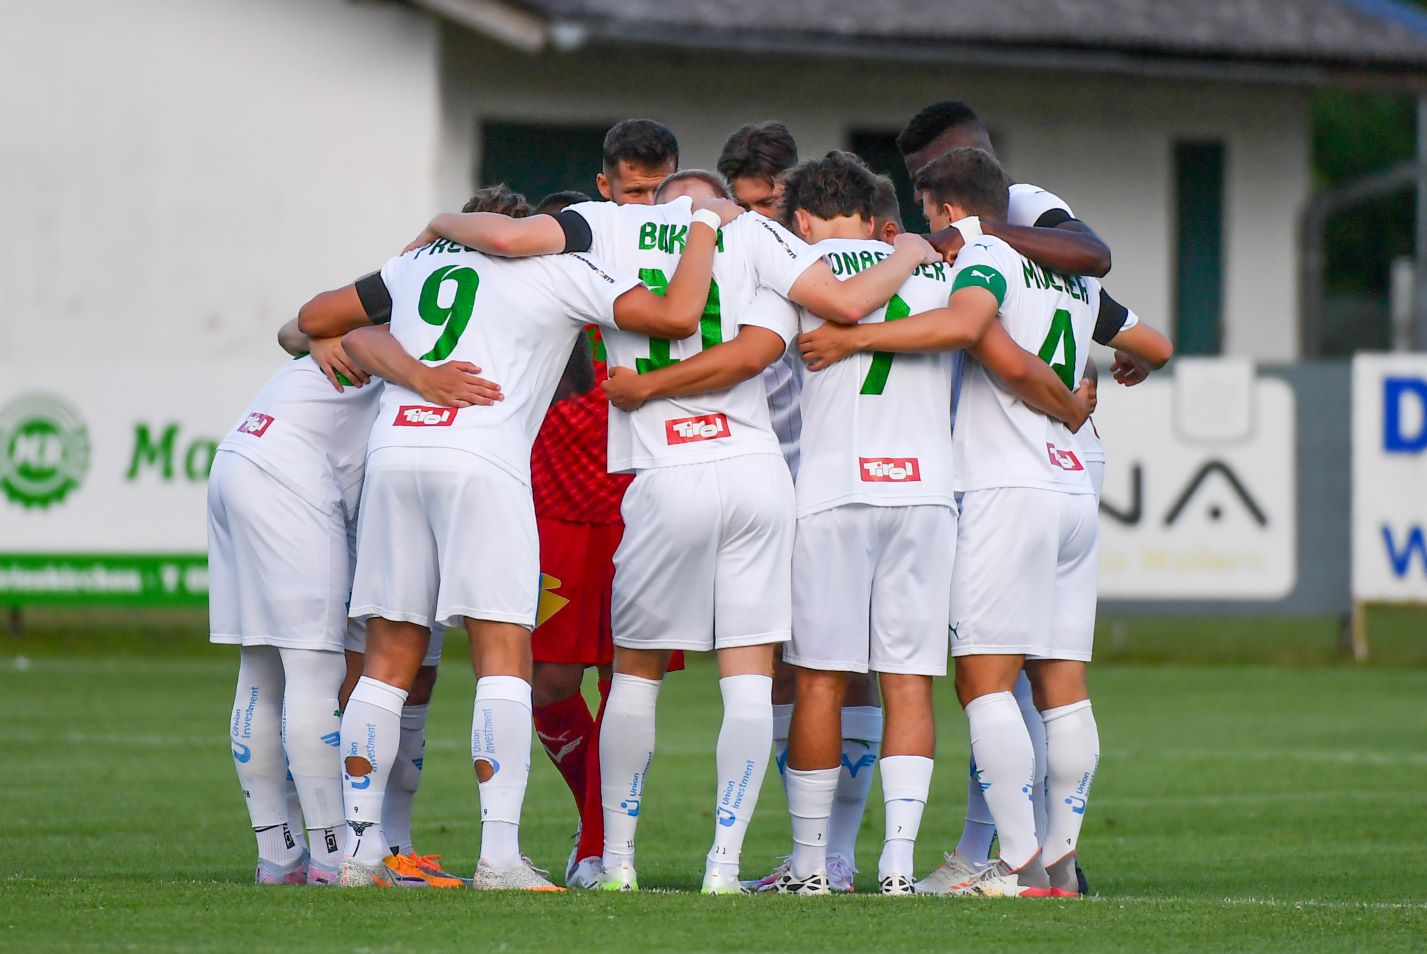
x=516, y=319
x=877, y=426
x=751, y=252
x=1000, y=441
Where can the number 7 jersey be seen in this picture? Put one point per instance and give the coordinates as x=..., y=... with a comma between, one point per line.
x=877, y=425
x=999, y=441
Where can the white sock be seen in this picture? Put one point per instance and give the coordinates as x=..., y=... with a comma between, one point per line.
x=294, y=801
x=861, y=744
x=626, y=752
x=405, y=779
x=501, y=732
x=255, y=739
x=782, y=725
x=1072, y=756
x=371, y=730
x=742, y=759
x=906, y=783
x=311, y=733
x=1006, y=766
x=810, y=797
x=980, y=828
x=1035, y=726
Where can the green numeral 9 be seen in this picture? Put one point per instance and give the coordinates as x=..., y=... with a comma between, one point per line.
x=456, y=316
x=710, y=323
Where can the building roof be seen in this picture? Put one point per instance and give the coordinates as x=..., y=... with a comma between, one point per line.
x=1374, y=42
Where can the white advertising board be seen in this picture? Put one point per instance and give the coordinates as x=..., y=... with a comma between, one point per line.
x=1200, y=486
x=1390, y=478
x=104, y=473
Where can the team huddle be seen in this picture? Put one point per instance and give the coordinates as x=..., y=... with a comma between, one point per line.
x=739, y=411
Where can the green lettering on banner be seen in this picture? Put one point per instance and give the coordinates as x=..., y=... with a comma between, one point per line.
x=147, y=453
x=104, y=579
x=199, y=459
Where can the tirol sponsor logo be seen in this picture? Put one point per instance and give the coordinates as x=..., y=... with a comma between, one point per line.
x=255, y=424
x=421, y=415
x=44, y=450
x=1064, y=459
x=706, y=427
x=878, y=470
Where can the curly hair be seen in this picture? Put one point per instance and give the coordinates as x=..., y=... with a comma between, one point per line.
x=498, y=198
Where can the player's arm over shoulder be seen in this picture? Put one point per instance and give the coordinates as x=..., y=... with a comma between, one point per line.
x=497, y=234
x=1118, y=327
x=1041, y=226
x=366, y=301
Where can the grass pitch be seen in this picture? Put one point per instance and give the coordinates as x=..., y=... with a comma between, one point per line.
x=1237, y=808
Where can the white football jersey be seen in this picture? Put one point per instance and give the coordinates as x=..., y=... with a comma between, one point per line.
x=877, y=425
x=1028, y=204
x=1000, y=441
x=517, y=319
x=783, y=380
x=753, y=252
x=309, y=436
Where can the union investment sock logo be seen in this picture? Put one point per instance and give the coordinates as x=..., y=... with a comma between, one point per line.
x=44, y=450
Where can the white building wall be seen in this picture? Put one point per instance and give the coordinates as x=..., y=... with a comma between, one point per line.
x=179, y=175
x=1105, y=144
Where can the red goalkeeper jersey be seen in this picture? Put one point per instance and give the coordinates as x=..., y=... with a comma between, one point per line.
x=569, y=461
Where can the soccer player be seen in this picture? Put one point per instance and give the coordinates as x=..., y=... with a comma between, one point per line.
x=447, y=531
x=577, y=505
x=727, y=557
x=1041, y=226
x=754, y=161
x=1025, y=593
x=282, y=495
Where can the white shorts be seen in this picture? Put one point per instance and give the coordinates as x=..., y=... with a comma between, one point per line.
x=357, y=641
x=1026, y=574
x=706, y=558
x=442, y=535
x=1096, y=470
x=868, y=584
x=278, y=569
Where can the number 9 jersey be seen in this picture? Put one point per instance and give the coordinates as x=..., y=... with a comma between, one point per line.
x=516, y=319
x=999, y=441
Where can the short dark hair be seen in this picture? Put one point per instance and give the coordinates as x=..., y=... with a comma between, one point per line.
x=837, y=184
x=764, y=150
x=498, y=198
x=934, y=120
x=642, y=143
x=716, y=181
x=968, y=177
x=887, y=207
x=556, y=201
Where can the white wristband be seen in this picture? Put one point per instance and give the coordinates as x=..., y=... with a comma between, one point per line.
x=969, y=227
x=709, y=217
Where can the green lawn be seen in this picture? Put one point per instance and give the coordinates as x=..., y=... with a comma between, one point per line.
x=1243, y=808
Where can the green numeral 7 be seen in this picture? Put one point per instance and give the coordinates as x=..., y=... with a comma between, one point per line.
x=881, y=366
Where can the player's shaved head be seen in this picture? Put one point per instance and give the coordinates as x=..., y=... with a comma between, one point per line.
x=556, y=201
x=886, y=211
x=939, y=128
x=695, y=183
x=966, y=179
x=498, y=198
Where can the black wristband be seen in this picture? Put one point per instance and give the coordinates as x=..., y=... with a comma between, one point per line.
x=376, y=300
x=578, y=237
x=1110, y=320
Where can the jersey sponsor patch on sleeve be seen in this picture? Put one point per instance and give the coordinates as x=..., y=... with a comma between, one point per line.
x=981, y=276
x=256, y=424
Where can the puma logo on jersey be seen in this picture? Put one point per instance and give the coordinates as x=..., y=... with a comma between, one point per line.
x=419, y=415
x=975, y=273
x=1064, y=459
x=877, y=470
x=255, y=424
x=707, y=427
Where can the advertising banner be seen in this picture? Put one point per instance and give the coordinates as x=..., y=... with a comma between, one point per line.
x=1390, y=478
x=103, y=478
x=1200, y=488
